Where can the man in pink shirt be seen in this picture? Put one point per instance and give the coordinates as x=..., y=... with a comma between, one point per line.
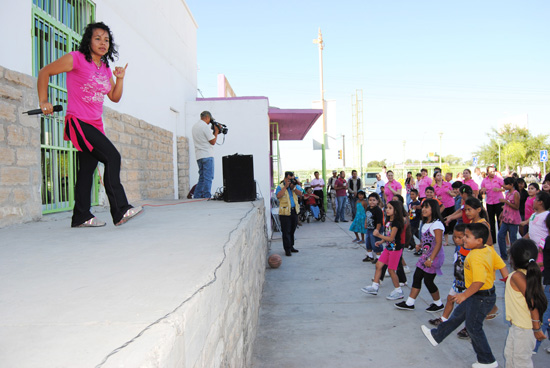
x=392, y=187
x=492, y=187
x=424, y=182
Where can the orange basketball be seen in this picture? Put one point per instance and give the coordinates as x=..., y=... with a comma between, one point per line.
x=274, y=261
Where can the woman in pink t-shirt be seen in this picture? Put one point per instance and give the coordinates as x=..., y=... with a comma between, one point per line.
x=424, y=182
x=89, y=79
x=444, y=192
x=467, y=174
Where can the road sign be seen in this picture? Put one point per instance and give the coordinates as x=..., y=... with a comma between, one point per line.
x=543, y=155
x=474, y=161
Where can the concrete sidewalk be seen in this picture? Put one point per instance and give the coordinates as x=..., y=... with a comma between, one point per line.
x=313, y=313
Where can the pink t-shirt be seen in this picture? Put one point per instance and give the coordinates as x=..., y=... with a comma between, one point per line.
x=441, y=191
x=395, y=185
x=423, y=183
x=529, y=210
x=472, y=184
x=510, y=215
x=87, y=86
x=492, y=197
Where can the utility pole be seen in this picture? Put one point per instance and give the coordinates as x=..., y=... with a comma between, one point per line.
x=344, y=150
x=319, y=41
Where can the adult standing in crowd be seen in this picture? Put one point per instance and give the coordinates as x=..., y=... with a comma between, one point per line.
x=444, y=192
x=409, y=184
x=89, y=79
x=354, y=185
x=204, y=139
x=288, y=195
x=424, y=182
x=331, y=191
x=491, y=186
x=468, y=180
x=341, y=187
x=317, y=185
x=391, y=188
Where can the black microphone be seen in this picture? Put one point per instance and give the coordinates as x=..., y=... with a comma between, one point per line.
x=39, y=111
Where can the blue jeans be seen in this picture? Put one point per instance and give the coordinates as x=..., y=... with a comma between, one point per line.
x=504, y=228
x=473, y=310
x=341, y=210
x=206, y=175
x=545, y=316
x=370, y=239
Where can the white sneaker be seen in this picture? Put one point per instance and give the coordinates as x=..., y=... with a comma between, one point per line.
x=387, y=274
x=488, y=365
x=428, y=333
x=548, y=350
x=401, y=284
x=407, y=269
x=394, y=295
x=370, y=290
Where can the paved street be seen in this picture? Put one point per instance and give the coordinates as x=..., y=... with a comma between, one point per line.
x=314, y=315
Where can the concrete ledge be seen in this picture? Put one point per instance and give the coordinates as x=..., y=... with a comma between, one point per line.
x=179, y=286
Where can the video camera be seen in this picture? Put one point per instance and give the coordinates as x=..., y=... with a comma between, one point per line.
x=221, y=127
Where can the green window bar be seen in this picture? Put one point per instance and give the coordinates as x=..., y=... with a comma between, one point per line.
x=56, y=29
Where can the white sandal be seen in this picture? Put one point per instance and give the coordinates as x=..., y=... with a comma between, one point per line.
x=131, y=213
x=93, y=222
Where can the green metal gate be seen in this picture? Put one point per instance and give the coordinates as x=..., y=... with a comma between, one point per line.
x=56, y=29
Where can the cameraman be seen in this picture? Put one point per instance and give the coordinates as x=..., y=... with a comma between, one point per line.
x=289, y=208
x=204, y=138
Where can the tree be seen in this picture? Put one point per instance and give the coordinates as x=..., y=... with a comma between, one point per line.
x=518, y=147
x=451, y=160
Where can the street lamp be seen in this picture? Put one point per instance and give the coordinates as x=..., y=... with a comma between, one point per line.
x=319, y=41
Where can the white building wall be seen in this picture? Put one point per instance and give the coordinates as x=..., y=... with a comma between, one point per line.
x=158, y=40
x=248, y=124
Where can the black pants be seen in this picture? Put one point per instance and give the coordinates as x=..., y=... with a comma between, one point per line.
x=494, y=211
x=321, y=195
x=419, y=275
x=288, y=227
x=103, y=151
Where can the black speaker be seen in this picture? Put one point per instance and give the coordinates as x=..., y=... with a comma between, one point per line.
x=238, y=178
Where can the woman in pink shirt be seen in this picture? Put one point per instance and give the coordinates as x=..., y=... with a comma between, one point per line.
x=89, y=79
x=444, y=192
x=467, y=174
x=491, y=186
x=424, y=182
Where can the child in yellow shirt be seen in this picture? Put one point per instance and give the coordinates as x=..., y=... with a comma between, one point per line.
x=479, y=297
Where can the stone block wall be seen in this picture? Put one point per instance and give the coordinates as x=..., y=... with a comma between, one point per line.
x=19, y=150
x=217, y=326
x=183, y=167
x=147, y=150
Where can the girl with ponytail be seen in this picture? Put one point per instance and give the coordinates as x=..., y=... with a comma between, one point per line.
x=525, y=304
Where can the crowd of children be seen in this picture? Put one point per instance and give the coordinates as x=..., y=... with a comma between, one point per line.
x=432, y=209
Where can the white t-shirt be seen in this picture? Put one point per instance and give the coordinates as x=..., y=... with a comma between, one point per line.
x=437, y=225
x=537, y=228
x=202, y=134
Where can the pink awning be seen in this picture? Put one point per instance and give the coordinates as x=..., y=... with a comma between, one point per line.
x=294, y=123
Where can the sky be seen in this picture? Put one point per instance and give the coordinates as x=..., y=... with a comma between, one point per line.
x=424, y=67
